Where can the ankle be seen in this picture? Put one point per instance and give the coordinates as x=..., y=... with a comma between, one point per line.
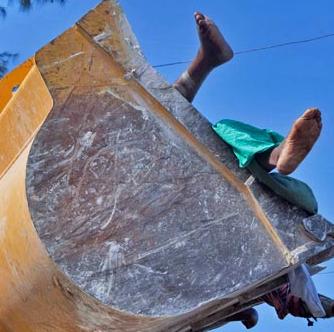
x=205, y=62
x=200, y=68
x=186, y=86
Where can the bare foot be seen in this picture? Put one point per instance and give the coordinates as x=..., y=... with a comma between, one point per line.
x=303, y=134
x=214, y=49
x=248, y=317
x=213, y=52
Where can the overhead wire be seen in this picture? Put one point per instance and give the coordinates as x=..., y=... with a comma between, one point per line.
x=329, y=272
x=258, y=49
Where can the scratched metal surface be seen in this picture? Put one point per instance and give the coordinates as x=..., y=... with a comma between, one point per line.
x=125, y=204
x=134, y=216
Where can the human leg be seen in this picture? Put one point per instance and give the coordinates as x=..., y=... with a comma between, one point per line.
x=214, y=51
x=268, y=159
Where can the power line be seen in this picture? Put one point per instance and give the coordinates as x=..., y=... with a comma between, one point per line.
x=171, y=64
x=296, y=42
x=329, y=272
x=258, y=49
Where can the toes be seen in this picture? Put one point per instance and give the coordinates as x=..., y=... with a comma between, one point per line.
x=203, y=22
x=198, y=13
x=203, y=26
x=199, y=17
x=318, y=117
x=312, y=113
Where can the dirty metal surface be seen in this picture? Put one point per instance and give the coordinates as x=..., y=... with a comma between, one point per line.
x=132, y=213
x=134, y=197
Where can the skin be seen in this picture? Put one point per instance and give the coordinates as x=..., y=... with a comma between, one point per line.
x=213, y=52
x=299, y=142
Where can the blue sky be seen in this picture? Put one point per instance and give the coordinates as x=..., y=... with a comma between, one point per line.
x=268, y=89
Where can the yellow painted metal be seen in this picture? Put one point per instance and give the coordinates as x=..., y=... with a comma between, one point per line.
x=11, y=82
x=22, y=256
x=23, y=111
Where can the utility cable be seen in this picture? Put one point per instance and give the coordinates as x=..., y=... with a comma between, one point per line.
x=329, y=272
x=259, y=49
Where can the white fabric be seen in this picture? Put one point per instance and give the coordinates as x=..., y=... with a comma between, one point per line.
x=302, y=286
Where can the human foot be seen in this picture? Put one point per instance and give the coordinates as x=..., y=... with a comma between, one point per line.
x=213, y=52
x=303, y=134
x=248, y=318
x=214, y=49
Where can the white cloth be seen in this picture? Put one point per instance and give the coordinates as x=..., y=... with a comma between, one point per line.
x=302, y=286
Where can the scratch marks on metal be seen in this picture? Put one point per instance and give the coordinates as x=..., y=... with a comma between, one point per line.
x=59, y=62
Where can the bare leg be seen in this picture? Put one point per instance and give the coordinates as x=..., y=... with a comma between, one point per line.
x=269, y=159
x=214, y=51
x=299, y=142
